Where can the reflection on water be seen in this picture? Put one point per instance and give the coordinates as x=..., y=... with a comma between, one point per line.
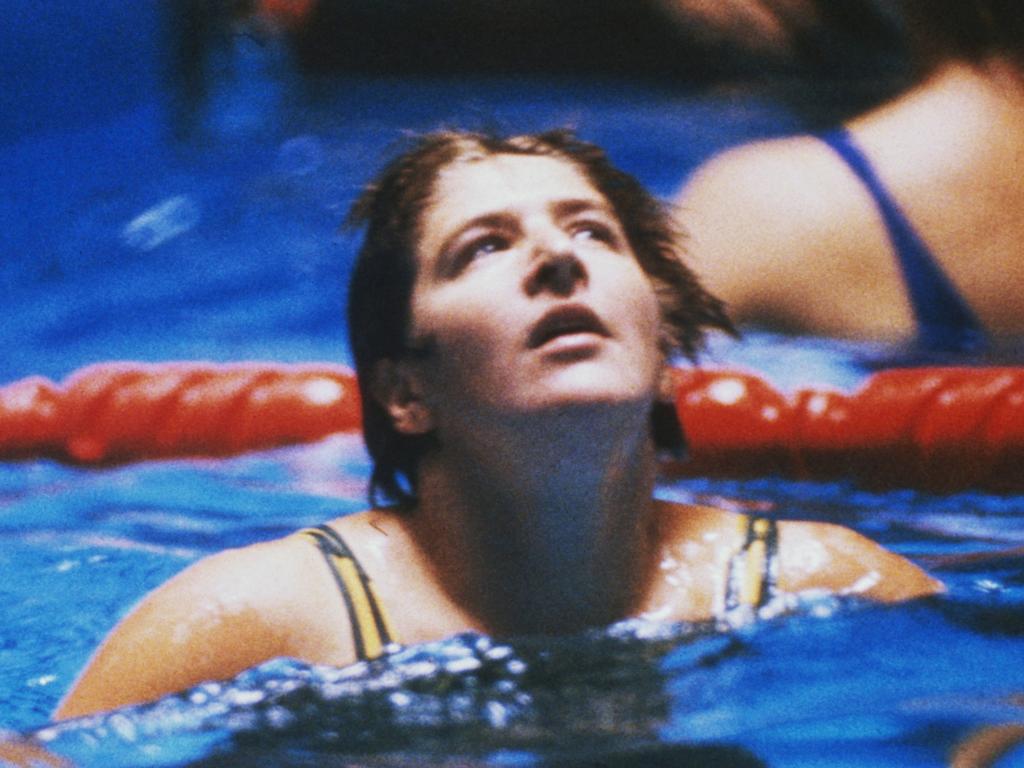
x=896, y=685
x=468, y=695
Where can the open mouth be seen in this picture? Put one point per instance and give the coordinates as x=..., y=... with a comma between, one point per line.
x=565, y=320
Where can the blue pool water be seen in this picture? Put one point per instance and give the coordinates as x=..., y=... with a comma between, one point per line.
x=860, y=685
x=121, y=243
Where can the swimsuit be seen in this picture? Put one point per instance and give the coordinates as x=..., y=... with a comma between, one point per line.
x=945, y=321
x=750, y=581
x=371, y=631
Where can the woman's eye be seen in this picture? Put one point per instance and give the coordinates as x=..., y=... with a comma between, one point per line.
x=593, y=231
x=478, y=248
x=490, y=244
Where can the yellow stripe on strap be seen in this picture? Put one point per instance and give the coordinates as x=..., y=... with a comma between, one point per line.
x=380, y=611
x=756, y=557
x=371, y=630
x=363, y=614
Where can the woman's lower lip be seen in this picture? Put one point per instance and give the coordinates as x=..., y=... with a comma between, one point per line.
x=570, y=342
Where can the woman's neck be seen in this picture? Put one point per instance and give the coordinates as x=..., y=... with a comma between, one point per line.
x=545, y=529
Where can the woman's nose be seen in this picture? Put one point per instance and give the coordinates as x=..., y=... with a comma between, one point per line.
x=560, y=272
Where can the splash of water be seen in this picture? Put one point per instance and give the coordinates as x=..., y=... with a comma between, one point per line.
x=468, y=695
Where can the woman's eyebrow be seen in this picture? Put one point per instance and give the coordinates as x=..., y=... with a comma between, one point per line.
x=572, y=207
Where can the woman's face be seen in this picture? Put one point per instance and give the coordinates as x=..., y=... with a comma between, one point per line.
x=528, y=295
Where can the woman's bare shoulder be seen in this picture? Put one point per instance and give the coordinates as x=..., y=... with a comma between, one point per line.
x=257, y=577
x=233, y=581
x=812, y=555
x=692, y=522
x=369, y=522
x=379, y=537
x=221, y=615
x=816, y=555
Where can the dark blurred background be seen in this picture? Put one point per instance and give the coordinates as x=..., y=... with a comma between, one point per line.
x=67, y=62
x=173, y=172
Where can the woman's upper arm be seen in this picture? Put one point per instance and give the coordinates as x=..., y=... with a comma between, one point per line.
x=842, y=561
x=204, y=624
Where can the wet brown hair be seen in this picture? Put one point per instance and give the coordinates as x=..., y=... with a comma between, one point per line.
x=380, y=291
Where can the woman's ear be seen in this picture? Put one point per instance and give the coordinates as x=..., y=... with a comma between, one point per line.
x=396, y=386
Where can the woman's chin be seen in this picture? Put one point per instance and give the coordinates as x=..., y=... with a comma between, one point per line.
x=588, y=390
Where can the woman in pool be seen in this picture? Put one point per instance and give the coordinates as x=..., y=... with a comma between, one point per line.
x=904, y=223
x=513, y=312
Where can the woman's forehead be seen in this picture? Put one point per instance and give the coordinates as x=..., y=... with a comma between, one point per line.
x=469, y=188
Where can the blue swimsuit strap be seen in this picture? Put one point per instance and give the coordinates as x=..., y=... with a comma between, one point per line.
x=945, y=321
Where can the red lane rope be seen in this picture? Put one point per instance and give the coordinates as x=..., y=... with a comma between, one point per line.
x=941, y=429
x=937, y=428
x=117, y=412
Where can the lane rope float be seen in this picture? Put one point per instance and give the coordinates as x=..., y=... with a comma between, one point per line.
x=119, y=412
x=941, y=429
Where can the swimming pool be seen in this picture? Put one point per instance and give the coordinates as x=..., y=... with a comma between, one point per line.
x=863, y=686
x=225, y=248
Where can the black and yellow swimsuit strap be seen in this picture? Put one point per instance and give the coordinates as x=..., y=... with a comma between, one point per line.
x=371, y=630
x=754, y=568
